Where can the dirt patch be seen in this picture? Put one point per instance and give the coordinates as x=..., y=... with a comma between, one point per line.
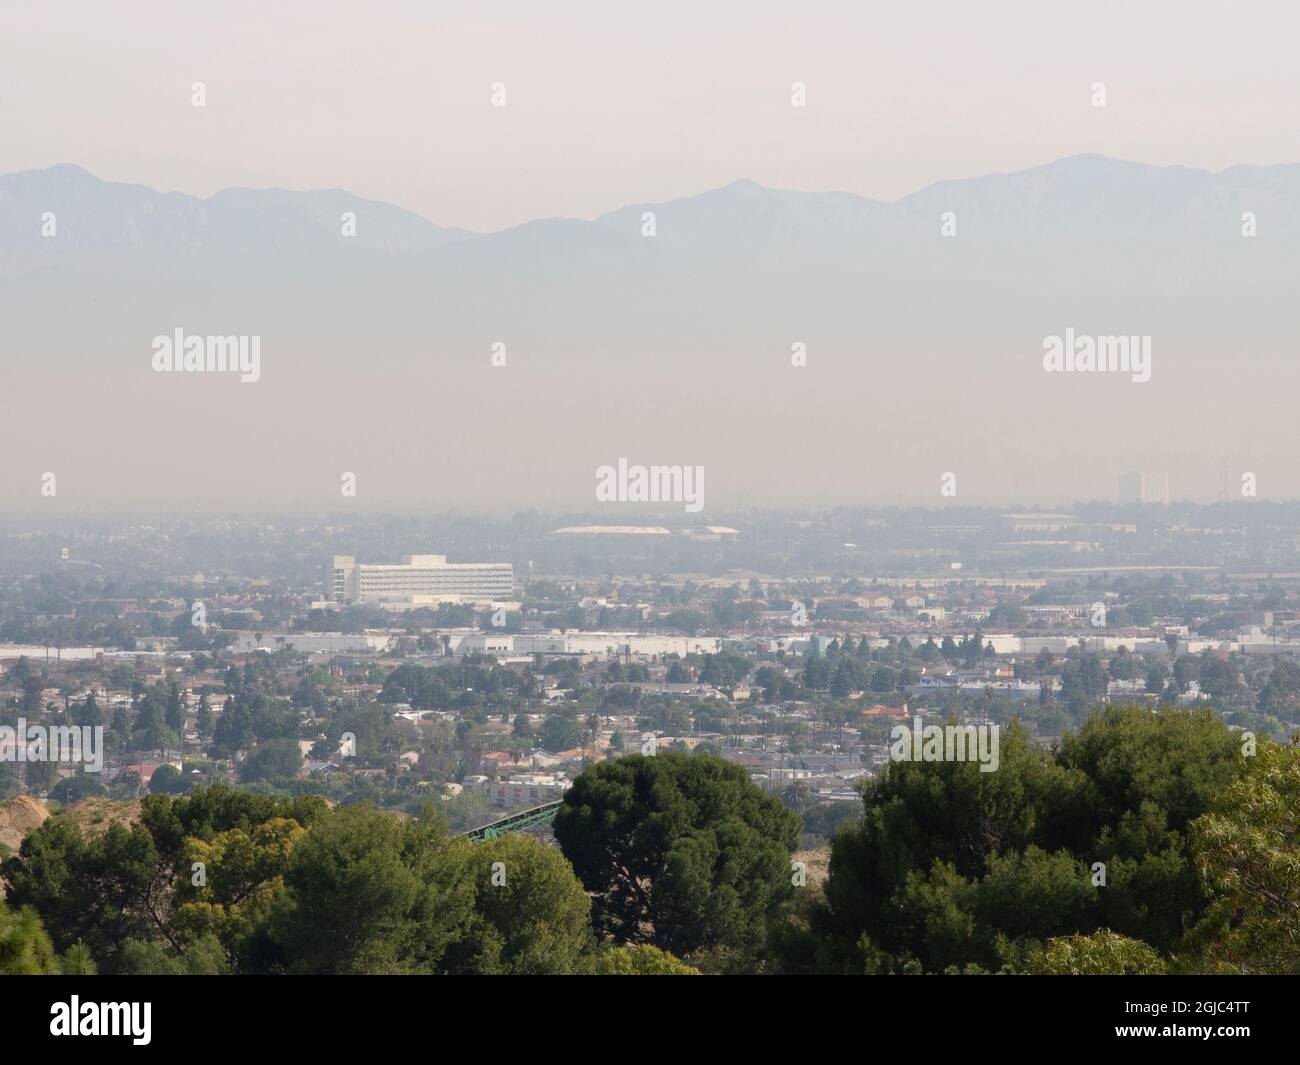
x=93, y=815
x=18, y=816
x=817, y=863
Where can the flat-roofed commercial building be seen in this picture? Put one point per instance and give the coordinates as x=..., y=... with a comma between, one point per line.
x=420, y=579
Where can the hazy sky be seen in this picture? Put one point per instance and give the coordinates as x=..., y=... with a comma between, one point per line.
x=926, y=353
x=608, y=104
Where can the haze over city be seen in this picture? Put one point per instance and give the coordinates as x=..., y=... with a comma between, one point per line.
x=503, y=370
x=498, y=173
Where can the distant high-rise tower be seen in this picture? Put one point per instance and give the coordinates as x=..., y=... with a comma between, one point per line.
x=1144, y=487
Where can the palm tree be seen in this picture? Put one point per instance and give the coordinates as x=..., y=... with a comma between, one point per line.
x=797, y=795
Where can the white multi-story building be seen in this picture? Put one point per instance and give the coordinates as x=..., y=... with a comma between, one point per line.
x=419, y=580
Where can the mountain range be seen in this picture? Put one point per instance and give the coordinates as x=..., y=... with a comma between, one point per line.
x=1089, y=202
x=923, y=321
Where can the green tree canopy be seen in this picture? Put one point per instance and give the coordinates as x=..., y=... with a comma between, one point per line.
x=531, y=916
x=643, y=960
x=1104, y=953
x=25, y=948
x=953, y=867
x=682, y=851
x=1248, y=848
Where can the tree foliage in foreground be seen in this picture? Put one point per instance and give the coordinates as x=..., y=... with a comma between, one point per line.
x=952, y=869
x=229, y=881
x=27, y=950
x=1248, y=849
x=682, y=852
x=1145, y=843
x=644, y=960
x=1104, y=953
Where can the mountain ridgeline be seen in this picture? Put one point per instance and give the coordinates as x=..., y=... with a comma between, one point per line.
x=919, y=311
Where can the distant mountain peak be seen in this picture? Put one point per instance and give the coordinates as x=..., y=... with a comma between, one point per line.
x=61, y=169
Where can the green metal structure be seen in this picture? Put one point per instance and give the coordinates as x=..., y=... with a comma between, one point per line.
x=536, y=815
